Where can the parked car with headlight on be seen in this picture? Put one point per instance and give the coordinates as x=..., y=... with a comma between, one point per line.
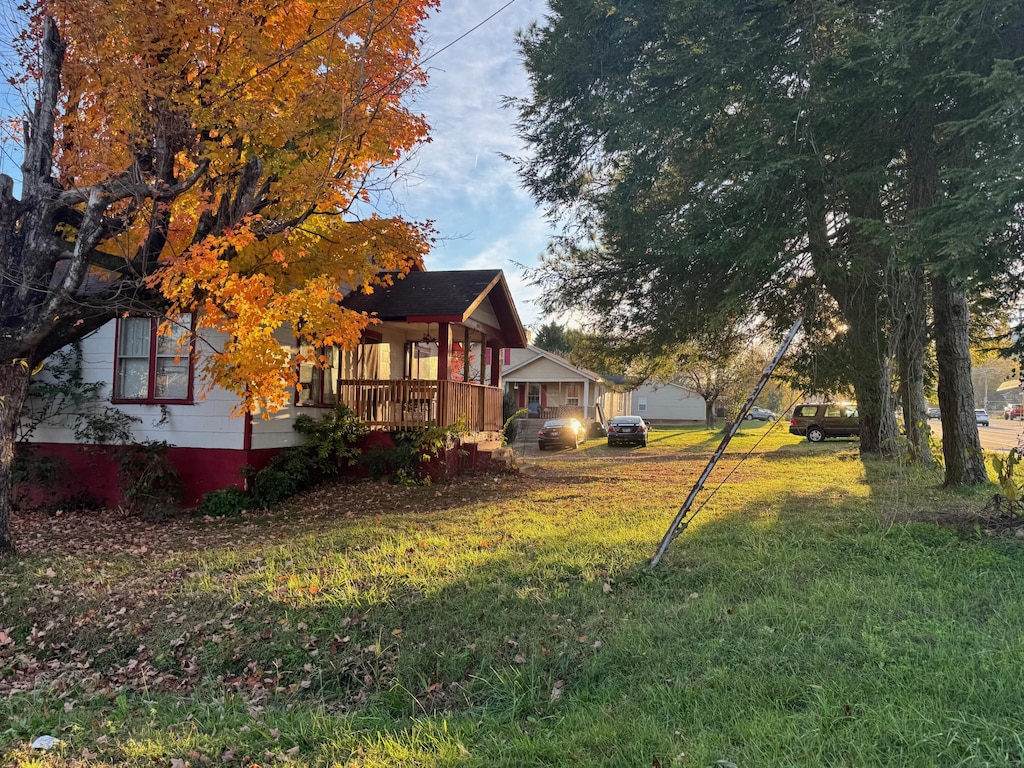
x=628, y=430
x=561, y=433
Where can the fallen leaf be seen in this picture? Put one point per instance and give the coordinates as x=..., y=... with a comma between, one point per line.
x=556, y=690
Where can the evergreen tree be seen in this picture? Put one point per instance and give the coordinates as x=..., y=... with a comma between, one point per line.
x=715, y=162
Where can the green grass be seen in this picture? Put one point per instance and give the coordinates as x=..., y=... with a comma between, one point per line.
x=805, y=618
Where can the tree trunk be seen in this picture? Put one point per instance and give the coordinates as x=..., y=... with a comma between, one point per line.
x=878, y=429
x=912, y=338
x=709, y=414
x=13, y=384
x=961, y=446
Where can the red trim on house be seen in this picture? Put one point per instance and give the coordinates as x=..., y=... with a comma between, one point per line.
x=154, y=325
x=522, y=395
x=92, y=470
x=372, y=337
x=434, y=319
x=508, y=356
x=543, y=395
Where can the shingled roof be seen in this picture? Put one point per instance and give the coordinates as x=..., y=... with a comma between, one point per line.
x=444, y=297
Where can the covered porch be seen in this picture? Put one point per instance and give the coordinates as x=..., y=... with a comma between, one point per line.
x=434, y=355
x=414, y=404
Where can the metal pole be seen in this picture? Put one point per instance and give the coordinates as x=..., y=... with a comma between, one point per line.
x=678, y=526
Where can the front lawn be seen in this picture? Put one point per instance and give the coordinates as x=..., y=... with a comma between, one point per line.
x=806, y=618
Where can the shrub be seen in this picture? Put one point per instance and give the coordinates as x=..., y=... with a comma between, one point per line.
x=227, y=502
x=37, y=481
x=334, y=438
x=403, y=463
x=148, y=480
x=511, y=427
x=273, y=485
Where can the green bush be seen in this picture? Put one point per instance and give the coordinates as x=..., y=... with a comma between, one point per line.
x=227, y=502
x=148, y=480
x=402, y=464
x=273, y=485
x=334, y=438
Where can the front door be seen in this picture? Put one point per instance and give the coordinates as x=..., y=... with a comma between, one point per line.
x=533, y=399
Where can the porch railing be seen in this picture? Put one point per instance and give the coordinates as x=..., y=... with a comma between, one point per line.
x=414, y=403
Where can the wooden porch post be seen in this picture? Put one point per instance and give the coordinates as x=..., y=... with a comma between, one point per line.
x=444, y=352
x=465, y=354
x=495, y=366
x=483, y=360
x=586, y=398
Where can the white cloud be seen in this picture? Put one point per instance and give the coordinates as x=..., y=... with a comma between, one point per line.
x=484, y=217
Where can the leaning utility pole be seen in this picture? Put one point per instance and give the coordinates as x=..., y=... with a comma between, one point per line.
x=679, y=524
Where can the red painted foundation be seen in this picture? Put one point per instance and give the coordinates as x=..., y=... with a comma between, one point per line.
x=90, y=472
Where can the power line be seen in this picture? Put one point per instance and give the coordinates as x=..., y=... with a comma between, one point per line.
x=467, y=33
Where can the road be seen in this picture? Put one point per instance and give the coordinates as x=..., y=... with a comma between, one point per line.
x=1002, y=435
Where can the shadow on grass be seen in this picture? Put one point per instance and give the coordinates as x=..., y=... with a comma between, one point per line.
x=511, y=627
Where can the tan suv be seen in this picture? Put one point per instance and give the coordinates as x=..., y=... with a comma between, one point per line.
x=817, y=421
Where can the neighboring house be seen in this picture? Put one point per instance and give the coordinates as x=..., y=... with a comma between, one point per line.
x=548, y=385
x=663, y=403
x=434, y=357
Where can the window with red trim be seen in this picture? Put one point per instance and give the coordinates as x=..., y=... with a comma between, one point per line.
x=153, y=361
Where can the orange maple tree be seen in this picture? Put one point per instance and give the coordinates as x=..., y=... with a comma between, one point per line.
x=217, y=157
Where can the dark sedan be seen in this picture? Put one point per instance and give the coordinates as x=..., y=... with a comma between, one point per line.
x=561, y=433
x=628, y=430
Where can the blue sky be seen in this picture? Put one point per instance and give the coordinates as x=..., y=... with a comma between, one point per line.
x=484, y=218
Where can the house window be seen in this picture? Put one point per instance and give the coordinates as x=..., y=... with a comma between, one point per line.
x=153, y=364
x=318, y=377
x=641, y=403
x=421, y=360
x=572, y=394
x=366, y=361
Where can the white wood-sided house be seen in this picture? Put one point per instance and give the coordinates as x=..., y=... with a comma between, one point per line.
x=548, y=386
x=660, y=403
x=435, y=357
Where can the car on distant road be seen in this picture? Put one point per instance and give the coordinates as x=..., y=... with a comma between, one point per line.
x=760, y=414
x=628, y=430
x=817, y=421
x=933, y=412
x=981, y=417
x=561, y=433
x=1012, y=411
